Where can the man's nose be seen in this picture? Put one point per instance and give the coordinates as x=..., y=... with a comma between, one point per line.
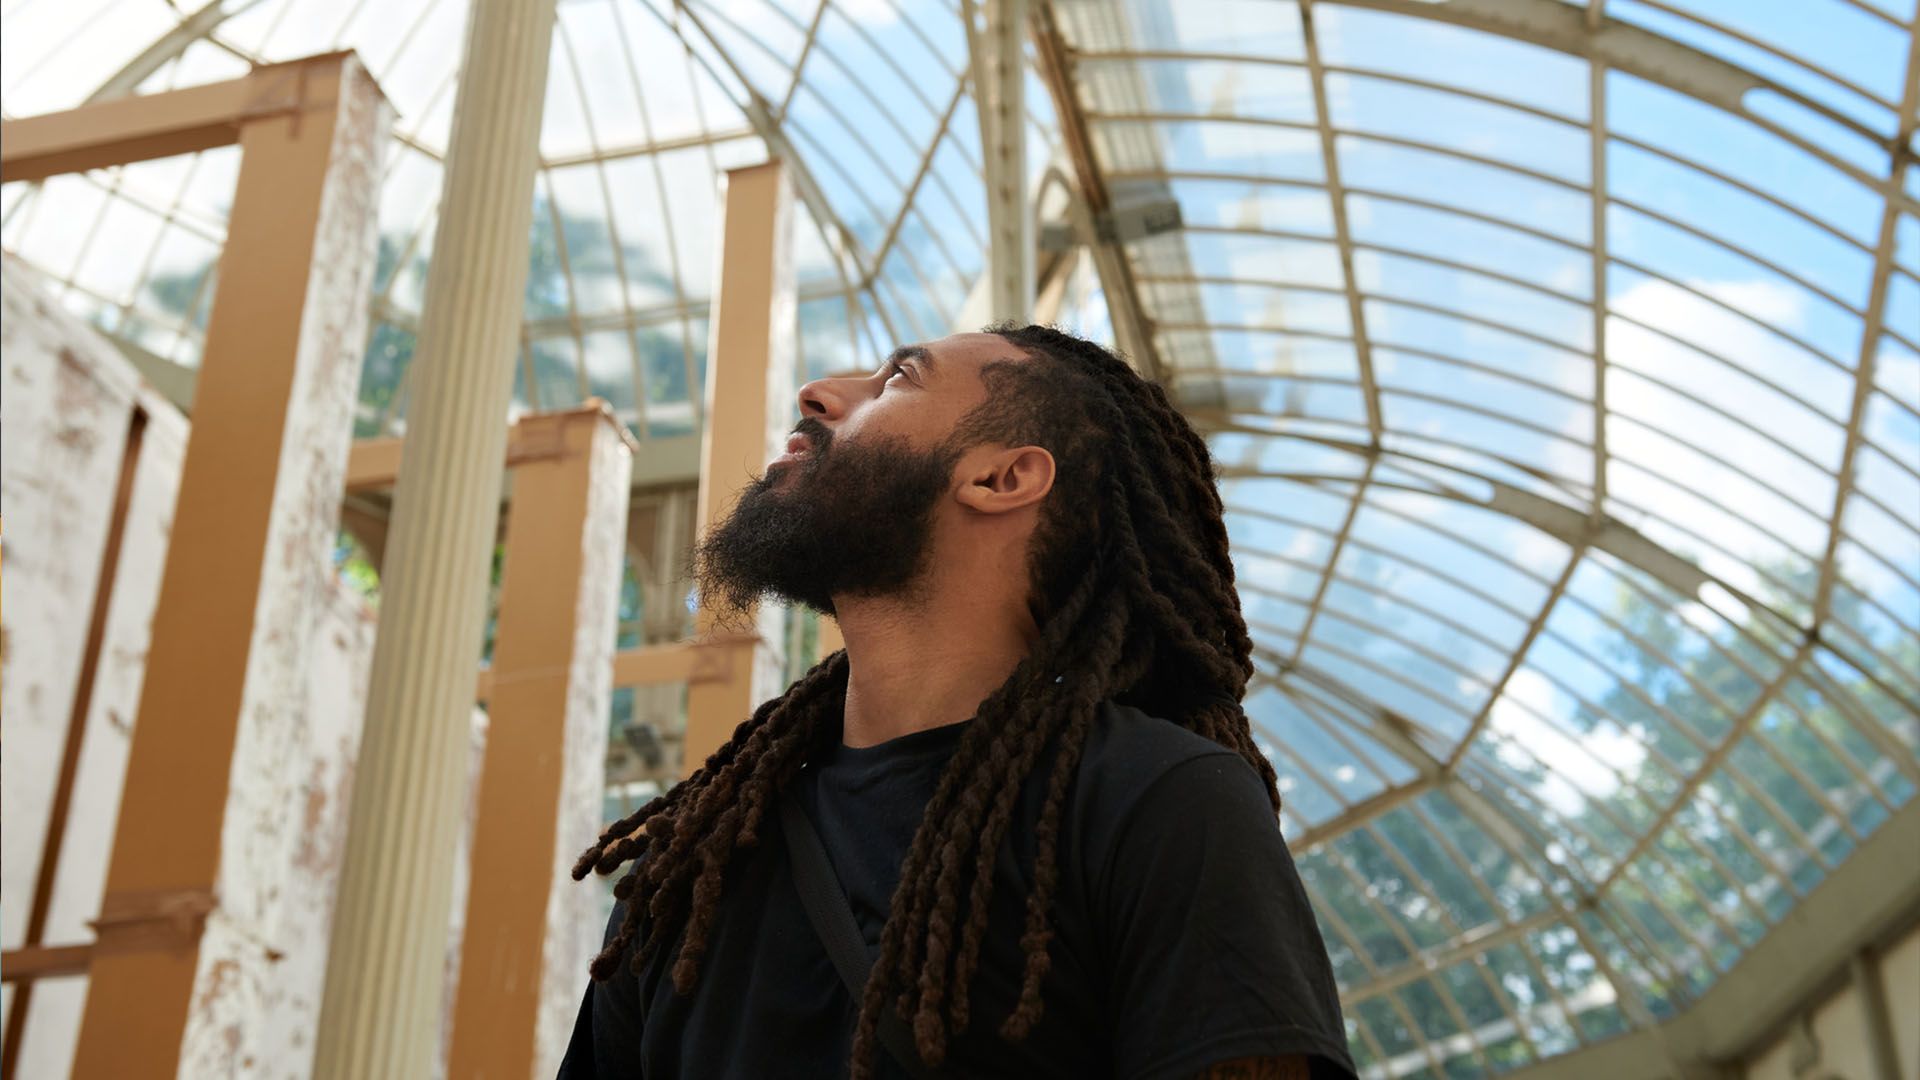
x=817, y=401
x=829, y=400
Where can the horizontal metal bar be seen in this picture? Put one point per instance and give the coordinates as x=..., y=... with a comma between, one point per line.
x=29, y=962
x=648, y=147
x=129, y=129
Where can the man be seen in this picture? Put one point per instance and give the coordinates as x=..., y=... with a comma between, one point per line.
x=1029, y=768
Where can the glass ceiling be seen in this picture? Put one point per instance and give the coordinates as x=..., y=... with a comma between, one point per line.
x=1566, y=390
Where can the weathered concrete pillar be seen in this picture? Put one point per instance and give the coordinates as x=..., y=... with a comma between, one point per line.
x=750, y=408
x=246, y=579
x=380, y=1015
x=531, y=929
x=91, y=469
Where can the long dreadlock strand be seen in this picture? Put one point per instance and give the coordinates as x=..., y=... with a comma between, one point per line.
x=981, y=896
x=994, y=764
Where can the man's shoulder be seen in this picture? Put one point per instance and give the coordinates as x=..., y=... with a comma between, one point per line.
x=1127, y=750
x=1125, y=738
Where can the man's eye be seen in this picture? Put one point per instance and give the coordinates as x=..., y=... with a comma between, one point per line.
x=894, y=370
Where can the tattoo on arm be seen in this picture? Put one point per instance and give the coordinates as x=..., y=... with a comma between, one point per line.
x=1292, y=1067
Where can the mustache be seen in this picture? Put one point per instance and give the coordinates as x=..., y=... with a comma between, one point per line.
x=817, y=434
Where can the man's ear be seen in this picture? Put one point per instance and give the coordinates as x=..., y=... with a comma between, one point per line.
x=1005, y=479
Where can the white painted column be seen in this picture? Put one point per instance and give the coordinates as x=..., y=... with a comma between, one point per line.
x=380, y=1014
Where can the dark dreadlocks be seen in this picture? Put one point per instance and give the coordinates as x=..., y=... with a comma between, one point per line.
x=1132, y=590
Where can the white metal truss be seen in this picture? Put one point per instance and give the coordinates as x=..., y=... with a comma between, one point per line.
x=996, y=36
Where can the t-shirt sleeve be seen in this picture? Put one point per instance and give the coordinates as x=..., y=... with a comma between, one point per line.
x=606, y=1031
x=1215, y=953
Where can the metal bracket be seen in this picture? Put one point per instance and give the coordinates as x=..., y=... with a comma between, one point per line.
x=152, y=919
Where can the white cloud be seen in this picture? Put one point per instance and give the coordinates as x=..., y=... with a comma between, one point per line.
x=1578, y=768
x=869, y=12
x=1783, y=419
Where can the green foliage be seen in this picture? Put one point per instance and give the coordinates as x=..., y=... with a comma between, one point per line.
x=631, y=623
x=355, y=567
x=174, y=293
x=494, y=574
x=388, y=354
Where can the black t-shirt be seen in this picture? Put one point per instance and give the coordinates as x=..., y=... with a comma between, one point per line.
x=1183, y=936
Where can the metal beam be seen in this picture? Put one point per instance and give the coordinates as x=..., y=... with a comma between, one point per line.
x=171, y=45
x=1131, y=328
x=1869, y=337
x=24, y=966
x=1000, y=71
x=1705, y=768
x=840, y=241
x=1565, y=523
x=1597, y=200
x=1489, y=811
x=374, y=463
x=920, y=175
x=131, y=129
x=1517, y=653
x=1354, y=499
x=1644, y=54
x=1874, y=892
x=1438, y=958
x=1342, y=233
x=1706, y=691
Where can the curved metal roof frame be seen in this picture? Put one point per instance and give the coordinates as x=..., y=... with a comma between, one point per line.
x=1575, y=526
x=1781, y=647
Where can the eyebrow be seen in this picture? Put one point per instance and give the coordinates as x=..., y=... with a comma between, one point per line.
x=913, y=352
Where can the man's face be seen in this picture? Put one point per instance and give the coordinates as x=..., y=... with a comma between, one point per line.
x=850, y=508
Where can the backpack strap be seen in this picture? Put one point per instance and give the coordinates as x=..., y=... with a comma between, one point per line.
x=832, y=919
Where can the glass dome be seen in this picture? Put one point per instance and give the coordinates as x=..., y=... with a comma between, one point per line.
x=1562, y=362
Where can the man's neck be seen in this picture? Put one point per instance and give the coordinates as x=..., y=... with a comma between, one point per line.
x=926, y=663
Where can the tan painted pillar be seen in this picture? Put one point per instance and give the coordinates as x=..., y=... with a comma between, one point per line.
x=530, y=928
x=830, y=639
x=750, y=408
x=253, y=524
x=380, y=1016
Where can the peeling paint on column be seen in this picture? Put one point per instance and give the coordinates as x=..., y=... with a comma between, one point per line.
x=574, y=919
x=52, y=1022
x=259, y=990
x=273, y=914
x=64, y=436
x=258, y=996
x=59, y=494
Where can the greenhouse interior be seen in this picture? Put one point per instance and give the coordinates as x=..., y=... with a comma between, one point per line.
x=1559, y=362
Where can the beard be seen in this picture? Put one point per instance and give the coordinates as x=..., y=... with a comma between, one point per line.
x=852, y=519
